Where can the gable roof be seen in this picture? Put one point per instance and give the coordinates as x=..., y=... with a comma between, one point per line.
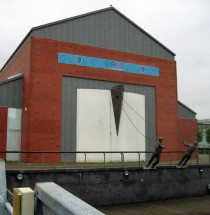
x=50, y=31
x=99, y=11
x=185, y=106
x=185, y=112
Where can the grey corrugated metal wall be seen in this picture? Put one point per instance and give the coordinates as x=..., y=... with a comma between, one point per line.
x=69, y=109
x=106, y=29
x=185, y=112
x=11, y=93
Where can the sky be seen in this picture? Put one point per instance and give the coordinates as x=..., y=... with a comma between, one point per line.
x=183, y=26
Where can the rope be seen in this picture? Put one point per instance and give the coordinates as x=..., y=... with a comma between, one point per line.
x=133, y=109
x=136, y=127
x=142, y=119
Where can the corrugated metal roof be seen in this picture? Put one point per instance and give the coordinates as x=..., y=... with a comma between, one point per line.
x=99, y=11
x=187, y=107
x=81, y=16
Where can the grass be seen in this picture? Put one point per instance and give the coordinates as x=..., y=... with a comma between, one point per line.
x=13, y=165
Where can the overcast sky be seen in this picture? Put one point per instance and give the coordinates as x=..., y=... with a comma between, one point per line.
x=181, y=25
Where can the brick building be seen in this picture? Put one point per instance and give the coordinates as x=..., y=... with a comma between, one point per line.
x=203, y=126
x=55, y=89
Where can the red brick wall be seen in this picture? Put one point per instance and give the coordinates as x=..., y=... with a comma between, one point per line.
x=21, y=63
x=41, y=122
x=187, y=131
x=3, y=130
x=46, y=89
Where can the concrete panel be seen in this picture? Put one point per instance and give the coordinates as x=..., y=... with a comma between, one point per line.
x=96, y=130
x=93, y=122
x=13, y=133
x=131, y=135
x=60, y=202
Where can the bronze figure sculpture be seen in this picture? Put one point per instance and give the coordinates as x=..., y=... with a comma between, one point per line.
x=187, y=155
x=156, y=155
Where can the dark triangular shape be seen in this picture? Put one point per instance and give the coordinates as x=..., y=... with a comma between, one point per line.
x=117, y=97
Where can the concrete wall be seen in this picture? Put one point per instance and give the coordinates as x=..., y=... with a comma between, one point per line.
x=111, y=186
x=53, y=199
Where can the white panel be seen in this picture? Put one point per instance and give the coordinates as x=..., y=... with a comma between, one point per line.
x=14, y=119
x=13, y=133
x=131, y=136
x=93, y=122
x=96, y=130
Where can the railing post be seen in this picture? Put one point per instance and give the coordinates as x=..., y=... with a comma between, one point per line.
x=170, y=158
x=20, y=155
x=139, y=159
x=209, y=157
x=122, y=159
x=85, y=159
x=104, y=159
x=197, y=157
x=42, y=160
x=65, y=159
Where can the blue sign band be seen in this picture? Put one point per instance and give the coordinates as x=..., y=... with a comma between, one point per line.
x=106, y=64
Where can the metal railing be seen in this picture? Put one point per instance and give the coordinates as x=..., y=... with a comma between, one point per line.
x=94, y=159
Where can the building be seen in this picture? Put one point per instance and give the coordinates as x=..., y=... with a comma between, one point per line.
x=55, y=90
x=203, y=125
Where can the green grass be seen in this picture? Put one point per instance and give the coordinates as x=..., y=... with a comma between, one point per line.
x=204, y=159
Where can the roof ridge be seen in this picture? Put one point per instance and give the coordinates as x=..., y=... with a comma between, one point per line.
x=98, y=11
x=71, y=18
x=80, y=16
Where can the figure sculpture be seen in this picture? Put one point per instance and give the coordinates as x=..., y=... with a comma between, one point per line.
x=156, y=155
x=187, y=155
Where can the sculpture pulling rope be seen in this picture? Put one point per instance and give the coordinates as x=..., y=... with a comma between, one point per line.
x=118, y=101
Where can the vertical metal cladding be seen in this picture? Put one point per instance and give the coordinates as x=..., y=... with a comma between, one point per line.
x=185, y=112
x=69, y=108
x=106, y=29
x=11, y=93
